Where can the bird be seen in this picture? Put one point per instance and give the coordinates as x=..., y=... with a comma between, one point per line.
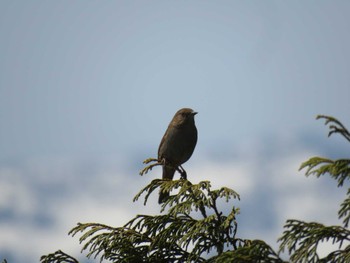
x=177, y=145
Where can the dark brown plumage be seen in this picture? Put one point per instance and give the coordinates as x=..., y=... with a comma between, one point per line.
x=177, y=144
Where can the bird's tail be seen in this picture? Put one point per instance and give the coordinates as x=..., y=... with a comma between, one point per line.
x=168, y=174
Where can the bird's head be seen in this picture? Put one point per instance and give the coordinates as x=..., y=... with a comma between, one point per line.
x=183, y=116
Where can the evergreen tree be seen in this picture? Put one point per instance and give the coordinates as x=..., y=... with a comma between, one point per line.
x=191, y=228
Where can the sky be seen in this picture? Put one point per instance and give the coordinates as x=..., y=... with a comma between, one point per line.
x=87, y=89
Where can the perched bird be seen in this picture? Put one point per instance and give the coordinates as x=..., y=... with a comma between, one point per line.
x=177, y=145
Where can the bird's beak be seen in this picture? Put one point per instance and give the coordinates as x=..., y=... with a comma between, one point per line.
x=194, y=113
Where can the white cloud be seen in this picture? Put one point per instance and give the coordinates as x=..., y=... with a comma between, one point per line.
x=235, y=174
x=14, y=193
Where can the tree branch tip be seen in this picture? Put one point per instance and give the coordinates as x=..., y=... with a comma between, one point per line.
x=148, y=160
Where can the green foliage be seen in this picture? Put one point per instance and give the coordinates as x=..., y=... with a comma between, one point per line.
x=344, y=211
x=191, y=228
x=301, y=239
x=338, y=169
x=335, y=126
x=180, y=234
x=58, y=257
x=250, y=251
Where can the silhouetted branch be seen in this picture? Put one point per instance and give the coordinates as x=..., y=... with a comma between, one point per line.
x=335, y=127
x=58, y=257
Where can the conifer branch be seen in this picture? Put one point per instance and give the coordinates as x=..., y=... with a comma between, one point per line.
x=338, y=169
x=57, y=257
x=335, y=126
x=344, y=211
x=337, y=256
x=301, y=239
x=166, y=237
x=149, y=167
x=256, y=251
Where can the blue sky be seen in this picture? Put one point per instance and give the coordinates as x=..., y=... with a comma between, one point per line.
x=88, y=88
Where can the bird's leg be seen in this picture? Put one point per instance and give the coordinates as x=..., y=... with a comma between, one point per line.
x=164, y=162
x=182, y=172
x=179, y=168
